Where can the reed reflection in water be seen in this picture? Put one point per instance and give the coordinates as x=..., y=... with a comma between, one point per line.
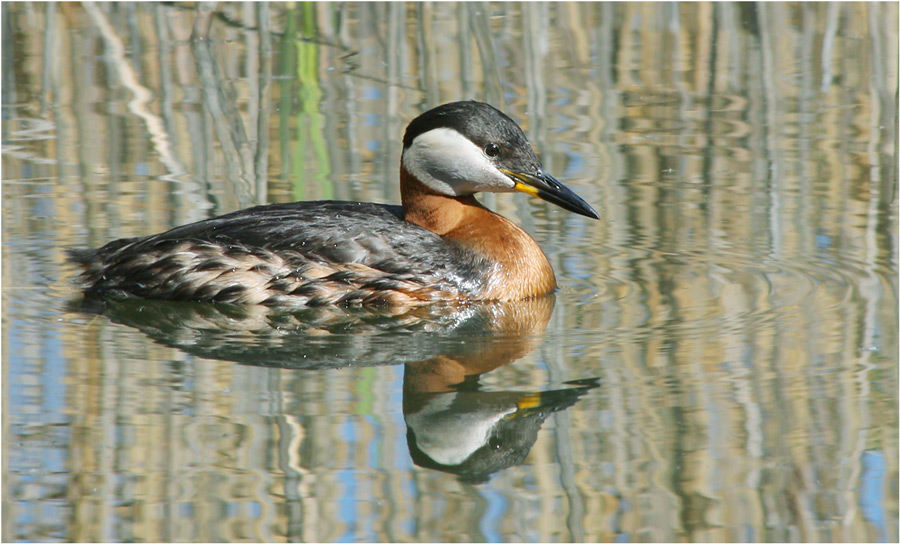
x=723, y=349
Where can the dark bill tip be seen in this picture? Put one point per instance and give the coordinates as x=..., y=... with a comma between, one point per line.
x=546, y=187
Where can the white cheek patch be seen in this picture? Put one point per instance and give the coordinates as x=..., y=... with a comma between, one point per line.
x=449, y=163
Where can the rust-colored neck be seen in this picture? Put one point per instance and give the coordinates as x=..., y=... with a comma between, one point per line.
x=521, y=268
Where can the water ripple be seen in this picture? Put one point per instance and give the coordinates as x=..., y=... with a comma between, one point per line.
x=698, y=291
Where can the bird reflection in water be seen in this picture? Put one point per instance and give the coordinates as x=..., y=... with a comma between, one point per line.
x=454, y=424
x=458, y=428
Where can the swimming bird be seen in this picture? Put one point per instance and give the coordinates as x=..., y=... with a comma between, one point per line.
x=441, y=244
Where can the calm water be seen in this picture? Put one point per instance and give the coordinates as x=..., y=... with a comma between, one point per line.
x=719, y=364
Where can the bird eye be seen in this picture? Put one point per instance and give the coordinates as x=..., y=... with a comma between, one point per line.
x=492, y=150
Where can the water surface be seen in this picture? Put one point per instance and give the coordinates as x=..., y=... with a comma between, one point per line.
x=719, y=363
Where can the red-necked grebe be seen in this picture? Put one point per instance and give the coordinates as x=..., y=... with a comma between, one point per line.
x=440, y=245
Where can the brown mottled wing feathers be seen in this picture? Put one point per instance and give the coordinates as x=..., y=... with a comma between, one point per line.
x=310, y=253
